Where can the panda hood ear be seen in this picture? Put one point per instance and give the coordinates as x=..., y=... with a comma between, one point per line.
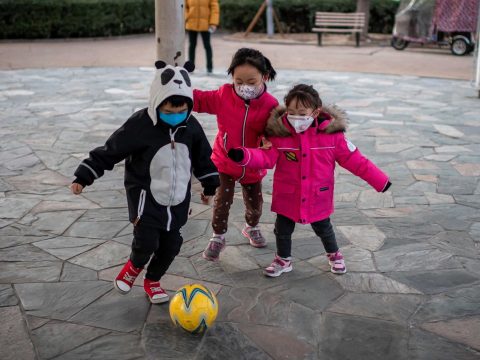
x=189, y=66
x=169, y=81
x=160, y=64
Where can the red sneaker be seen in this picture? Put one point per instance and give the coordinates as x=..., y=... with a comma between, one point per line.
x=155, y=292
x=125, y=279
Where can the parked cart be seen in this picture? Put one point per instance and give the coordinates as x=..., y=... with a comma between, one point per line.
x=450, y=23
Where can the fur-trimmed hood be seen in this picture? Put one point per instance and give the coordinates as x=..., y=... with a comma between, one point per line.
x=332, y=119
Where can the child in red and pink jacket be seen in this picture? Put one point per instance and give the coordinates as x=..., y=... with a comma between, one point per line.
x=306, y=144
x=242, y=111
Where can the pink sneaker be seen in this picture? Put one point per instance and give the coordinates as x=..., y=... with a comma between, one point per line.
x=337, y=264
x=253, y=234
x=154, y=291
x=278, y=267
x=214, y=248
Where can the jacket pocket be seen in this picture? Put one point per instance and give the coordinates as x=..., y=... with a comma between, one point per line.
x=141, y=206
x=323, y=196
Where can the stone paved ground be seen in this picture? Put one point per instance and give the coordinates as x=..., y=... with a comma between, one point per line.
x=413, y=286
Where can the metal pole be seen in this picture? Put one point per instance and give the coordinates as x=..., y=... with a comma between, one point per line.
x=477, y=54
x=270, y=26
x=170, y=31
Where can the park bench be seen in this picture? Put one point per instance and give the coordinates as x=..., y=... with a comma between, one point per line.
x=332, y=22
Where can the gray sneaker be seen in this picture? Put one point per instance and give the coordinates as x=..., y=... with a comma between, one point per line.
x=215, y=246
x=253, y=234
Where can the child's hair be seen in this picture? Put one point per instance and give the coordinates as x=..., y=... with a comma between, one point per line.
x=255, y=58
x=177, y=101
x=305, y=95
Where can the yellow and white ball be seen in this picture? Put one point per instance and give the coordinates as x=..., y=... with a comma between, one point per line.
x=194, y=308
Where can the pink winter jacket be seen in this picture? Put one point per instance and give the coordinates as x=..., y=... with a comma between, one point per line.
x=303, y=181
x=239, y=124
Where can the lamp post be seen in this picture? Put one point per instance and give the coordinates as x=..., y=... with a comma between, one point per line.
x=170, y=31
x=477, y=54
x=270, y=27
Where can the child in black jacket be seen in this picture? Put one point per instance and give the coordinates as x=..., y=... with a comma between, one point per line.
x=162, y=144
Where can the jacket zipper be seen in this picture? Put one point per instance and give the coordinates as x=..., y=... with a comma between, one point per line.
x=174, y=176
x=225, y=142
x=247, y=106
x=141, y=205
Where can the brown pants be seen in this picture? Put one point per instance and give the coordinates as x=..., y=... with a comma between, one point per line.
x=252, y=197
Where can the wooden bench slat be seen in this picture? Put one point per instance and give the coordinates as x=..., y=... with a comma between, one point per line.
x=339, y=19
x=346, y=16
x=336, y=30
x=339, y=14
x=338, y=22
x=338, y=26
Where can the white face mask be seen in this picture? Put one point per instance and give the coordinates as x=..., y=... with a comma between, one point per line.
x=300, y=122
x=248, y=92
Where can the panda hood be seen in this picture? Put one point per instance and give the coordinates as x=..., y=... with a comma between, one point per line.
x=169, y=81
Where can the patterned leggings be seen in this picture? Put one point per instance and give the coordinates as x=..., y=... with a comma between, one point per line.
x=252, y=197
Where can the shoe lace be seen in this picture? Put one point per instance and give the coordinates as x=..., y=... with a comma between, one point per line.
x=256, y=235
x=215, y=245
x=129, y=278
x=277, y=263
x=156, y=289
x=335, y=256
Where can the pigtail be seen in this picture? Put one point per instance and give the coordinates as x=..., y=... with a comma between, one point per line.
x=270, y=70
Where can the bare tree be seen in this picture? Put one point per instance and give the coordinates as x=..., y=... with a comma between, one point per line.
x=364, y=6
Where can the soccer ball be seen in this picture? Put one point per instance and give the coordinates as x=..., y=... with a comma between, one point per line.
x=194, y=308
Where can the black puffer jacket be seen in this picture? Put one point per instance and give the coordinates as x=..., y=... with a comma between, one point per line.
x=159, y=161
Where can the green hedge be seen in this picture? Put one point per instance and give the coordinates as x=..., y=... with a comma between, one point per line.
x=30, y=19
x=298, y=15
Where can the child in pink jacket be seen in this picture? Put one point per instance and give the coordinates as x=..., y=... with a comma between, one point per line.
x=306, y=144
x=242, y=111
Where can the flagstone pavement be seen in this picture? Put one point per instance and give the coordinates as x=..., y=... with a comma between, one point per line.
x=413, y=286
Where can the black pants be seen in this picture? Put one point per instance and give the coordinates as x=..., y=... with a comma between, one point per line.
x=192, y=37
x=163, y=245
x=283, y=233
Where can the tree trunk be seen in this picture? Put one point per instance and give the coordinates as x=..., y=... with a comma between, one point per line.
x=364, y=6
x=170, y=31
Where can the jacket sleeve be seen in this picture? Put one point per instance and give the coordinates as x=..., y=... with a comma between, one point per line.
x=203, y=167
x=214, y=13
x=206, y=101
x=119, y=145
x=350, y=158
x=254, y=158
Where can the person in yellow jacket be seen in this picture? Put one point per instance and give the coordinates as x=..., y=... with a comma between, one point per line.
x=201, y=16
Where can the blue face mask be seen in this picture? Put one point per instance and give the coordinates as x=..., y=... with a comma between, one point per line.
x=173, y=119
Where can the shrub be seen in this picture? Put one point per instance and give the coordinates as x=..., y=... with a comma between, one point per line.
x=30, y=19
x=74, y=18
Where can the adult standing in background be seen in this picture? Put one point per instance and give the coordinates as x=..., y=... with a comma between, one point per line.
x=201, y=16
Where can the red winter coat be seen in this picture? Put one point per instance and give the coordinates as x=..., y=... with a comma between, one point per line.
x=239, y=124
x=303, y=182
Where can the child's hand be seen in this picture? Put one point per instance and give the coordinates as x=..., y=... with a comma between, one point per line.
x=266, y=144
x=76, y=188
x=205, y=199
x=236, y=154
